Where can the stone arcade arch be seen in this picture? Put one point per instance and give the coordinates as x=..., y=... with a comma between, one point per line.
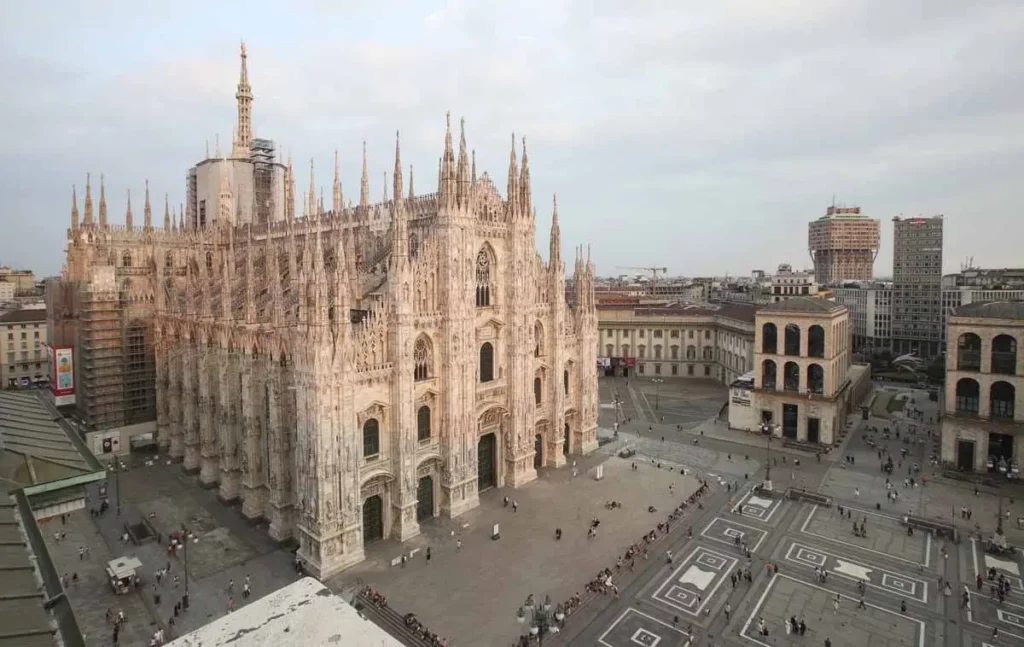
x=769, y=340
x=1004, y=355
x=968, y=352
x=967, y=396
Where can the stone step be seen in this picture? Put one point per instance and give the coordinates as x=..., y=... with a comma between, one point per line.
x=390, y=621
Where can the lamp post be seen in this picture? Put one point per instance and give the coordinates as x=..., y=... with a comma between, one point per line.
x=543, y=618
x=657, y=392
x=766, y=429
x=117, y=482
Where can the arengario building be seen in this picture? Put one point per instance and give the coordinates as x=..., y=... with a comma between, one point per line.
x=352, y=372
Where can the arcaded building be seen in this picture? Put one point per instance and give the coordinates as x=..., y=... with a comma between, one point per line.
x=804, y=381
x=983, y=408
x=843, y=245
x=348, y=373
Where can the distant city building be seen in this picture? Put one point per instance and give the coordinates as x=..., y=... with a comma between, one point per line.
x=994, y=279
x=24, y=281
x=917, y=286
x=786, y=284
x=843, y=245
x=804, y=381
x=709, y=341
x=983, y=412
x=870, y=306
x=23, y=348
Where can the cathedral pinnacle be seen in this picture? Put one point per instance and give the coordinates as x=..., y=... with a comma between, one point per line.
x=473, y=172
x=129, y=220
x=74, y=208
x=147, y=212
x=446, y=183
x=167, y=212
x=311, y=208
x=410, y=182
x=524, y=184
x=555, y=250
x=462, y=175
x=513, y=181
x=87, y=222
x=364, y=184
x=337, y=203
x=398, y=188
x=103, y=203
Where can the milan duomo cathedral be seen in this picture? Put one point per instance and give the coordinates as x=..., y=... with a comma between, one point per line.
x=348, y=373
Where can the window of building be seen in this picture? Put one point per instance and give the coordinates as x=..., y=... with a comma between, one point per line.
x=674, y=334
x=640, y=368
x=657, y=334
x=689, y=334
x=689, y=369
x=675, y=369
x=707, y=334
x=423, y=423
x=657, y=369
x=486, y=362
x=371, y=438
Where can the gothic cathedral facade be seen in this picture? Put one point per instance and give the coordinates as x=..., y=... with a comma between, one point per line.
x=350, y=372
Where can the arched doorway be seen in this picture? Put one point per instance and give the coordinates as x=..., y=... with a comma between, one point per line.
x=425, y=498
x=538, y=451
x=565, y=441
x=373, y=519
x=486, y=462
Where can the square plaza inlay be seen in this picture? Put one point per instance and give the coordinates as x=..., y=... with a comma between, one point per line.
x=634, y=627
x=785, y=597
x=689, y=587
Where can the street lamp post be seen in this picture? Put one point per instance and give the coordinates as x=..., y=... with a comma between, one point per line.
x=117, y=481
x=766, y=429
x=543, y=618
x=657, y=393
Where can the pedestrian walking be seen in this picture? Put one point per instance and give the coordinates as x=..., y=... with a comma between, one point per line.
x=246, y=591
x=231, y=605
x=515, y=506
x=860, y=605
x=428, y=555
x=728, y=611
x=458, y=544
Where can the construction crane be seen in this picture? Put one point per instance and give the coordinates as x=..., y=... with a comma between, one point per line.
x=653, y=270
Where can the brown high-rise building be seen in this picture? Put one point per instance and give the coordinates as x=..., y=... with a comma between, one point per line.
x=843, y=244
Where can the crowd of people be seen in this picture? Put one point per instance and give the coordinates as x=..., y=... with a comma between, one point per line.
x=603, y=583
x=412, y=623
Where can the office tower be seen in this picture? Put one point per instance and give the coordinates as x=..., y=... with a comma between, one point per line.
x=917, y=286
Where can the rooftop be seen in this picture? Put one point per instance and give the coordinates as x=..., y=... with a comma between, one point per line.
x=992, y=310
x=736, y=311
x=24, y=620
x=24, y=315
x=804, y=305
x=34, y=447
x=304, y=614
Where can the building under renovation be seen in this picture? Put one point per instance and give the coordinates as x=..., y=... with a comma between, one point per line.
x=843, y=245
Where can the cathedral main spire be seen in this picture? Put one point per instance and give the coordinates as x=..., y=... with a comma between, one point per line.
x=87, y=222
x=243, y=137
x=147, y=212
x=103, y=204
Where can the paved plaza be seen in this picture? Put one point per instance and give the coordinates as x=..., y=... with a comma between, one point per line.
x=741, y=562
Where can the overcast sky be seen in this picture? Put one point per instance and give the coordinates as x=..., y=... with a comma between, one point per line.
x=701, y=136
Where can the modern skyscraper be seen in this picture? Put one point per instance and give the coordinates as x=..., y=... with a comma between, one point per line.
x=917, y=286
x=843, y=244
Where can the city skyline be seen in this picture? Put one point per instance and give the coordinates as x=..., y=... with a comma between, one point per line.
x=713, y=142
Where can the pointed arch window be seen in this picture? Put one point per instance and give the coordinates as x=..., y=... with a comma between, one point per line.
x=421, y=360
x=209, y=262
x=484, y=284
x=565, y=380
x=126, y=259
x=169, y=259
x=537, y=390
x=487, y=362
x=371, y=438
x=423, y=423
x=538, y=340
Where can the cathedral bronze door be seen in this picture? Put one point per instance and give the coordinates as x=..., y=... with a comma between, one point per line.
x=373, y=519
x=487, y=462
x=538, y=452
x=565, y=441
x=425, y=498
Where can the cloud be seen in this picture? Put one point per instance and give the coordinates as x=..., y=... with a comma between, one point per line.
x=701, y=136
